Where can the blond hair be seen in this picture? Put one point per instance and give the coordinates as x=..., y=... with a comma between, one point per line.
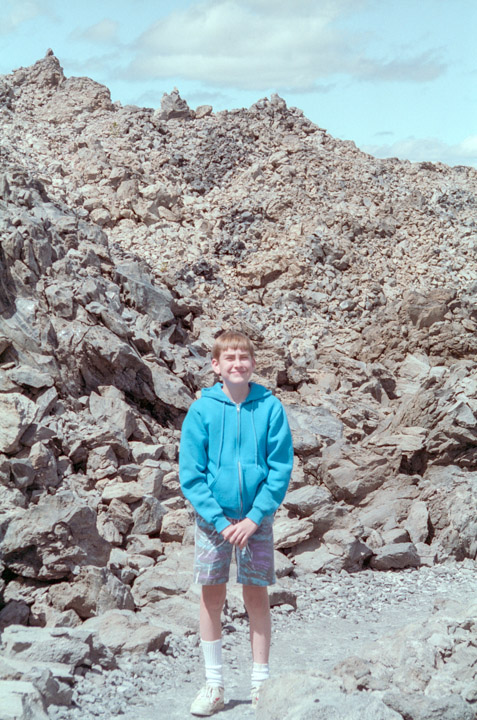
x=233, y=340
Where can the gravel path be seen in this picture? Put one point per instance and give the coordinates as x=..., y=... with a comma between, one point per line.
x=335, y=616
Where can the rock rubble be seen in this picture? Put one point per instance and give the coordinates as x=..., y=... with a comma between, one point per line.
x=129, y=238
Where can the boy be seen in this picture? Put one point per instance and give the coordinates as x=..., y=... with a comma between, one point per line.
x=235, y=462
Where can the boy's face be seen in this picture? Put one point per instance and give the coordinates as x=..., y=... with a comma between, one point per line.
x=235, y=366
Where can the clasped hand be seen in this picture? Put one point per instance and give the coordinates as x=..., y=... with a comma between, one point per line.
x=239, y=533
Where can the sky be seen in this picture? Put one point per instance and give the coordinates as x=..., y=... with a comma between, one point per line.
x=398, y=77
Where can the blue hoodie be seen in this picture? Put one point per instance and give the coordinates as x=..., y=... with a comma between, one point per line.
x=235, y=460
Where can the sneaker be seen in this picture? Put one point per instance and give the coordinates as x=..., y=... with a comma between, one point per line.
x=255, y=695
x=209, y=701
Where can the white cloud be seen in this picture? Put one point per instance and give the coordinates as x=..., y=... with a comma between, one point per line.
x=15, y=12
x=104, y=32
x=265, y=44
x=421, y=68
x=429, y=149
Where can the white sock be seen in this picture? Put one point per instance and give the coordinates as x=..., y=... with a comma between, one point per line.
x=260, y=673
x=212, y=651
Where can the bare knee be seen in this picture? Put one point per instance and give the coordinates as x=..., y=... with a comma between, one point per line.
x=255, y=598
x=213, y=596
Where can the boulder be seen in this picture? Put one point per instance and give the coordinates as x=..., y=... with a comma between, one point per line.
x=123, y=631
x=173, y=107
x=94, y=591
x=312, y=428
x=18, y=413
x=337, y=550
x=352, y=473
x=172, y=576
x=50, y=540
x=317, y=699
x=395, y=556
x=21, y=701
x=147, y=517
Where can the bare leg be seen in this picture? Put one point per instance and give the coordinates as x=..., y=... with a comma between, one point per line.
x=211, y=604
x=258, y=608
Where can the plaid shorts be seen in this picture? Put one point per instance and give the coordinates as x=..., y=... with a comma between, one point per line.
x=213, y=554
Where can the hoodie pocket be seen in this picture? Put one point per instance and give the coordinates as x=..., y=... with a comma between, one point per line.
x=225, y=488
x=252, y=478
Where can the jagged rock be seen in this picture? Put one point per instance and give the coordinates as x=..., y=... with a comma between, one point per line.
x=147, y=518
x=449, y=707
x=14, y=613
x=174, y=525
x=55, y=645
x=21, y=701
x=288, y=532
x=337, y=550
x=173, y=107
x=417, y=523
x=351, y=474
x=29, y=377
x=18, y=413
x=123, y=631
x=54, y=682
x=312, y=428
x=318, y=699
x=178, y=613
x=395, y=556
x=170, y=577
x=412, y=660
x=143, y=295
x=142, y=451
x=49, y=540
x=93, y=592
x=450, y=494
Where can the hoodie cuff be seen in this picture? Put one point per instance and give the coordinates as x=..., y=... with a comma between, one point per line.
x=256, y=515
x=221, y=524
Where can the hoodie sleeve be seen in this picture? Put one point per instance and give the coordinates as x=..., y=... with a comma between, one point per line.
x=280, y=463
x=192, y=470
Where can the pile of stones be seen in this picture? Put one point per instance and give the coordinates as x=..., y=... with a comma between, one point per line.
x=130, y=237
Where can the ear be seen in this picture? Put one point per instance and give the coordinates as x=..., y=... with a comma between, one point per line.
x=215, y=366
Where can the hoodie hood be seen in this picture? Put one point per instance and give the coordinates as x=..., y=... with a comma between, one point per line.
x=257, y=392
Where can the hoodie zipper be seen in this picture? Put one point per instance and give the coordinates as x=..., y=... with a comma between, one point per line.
x=238, y=462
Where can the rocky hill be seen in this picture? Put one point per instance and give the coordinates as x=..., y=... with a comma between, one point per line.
x=130, y=237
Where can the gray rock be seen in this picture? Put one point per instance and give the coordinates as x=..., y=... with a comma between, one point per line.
x=312, y=427
x=21, y=701
x=307, y=500
x=317, y=701
x=417, y=523
x=421, y=707
x=394, y=556
x=24, y=375
x=173, y=107
x=126, y=632
x=147, y=518
x=55, y=645
x=93, y=592
x=51, y=539
x=170, y=577
x=142, y=451
x=143, y=295
x=18, y=413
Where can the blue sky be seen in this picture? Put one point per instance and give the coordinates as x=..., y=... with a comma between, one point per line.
x=399, y=77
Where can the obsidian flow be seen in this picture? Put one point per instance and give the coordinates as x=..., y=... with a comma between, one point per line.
x=129, y=238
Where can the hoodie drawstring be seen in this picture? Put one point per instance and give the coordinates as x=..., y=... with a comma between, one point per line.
x=255, y=436
x=221, y=435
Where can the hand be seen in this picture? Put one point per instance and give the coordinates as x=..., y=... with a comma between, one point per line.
x=239, y=533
